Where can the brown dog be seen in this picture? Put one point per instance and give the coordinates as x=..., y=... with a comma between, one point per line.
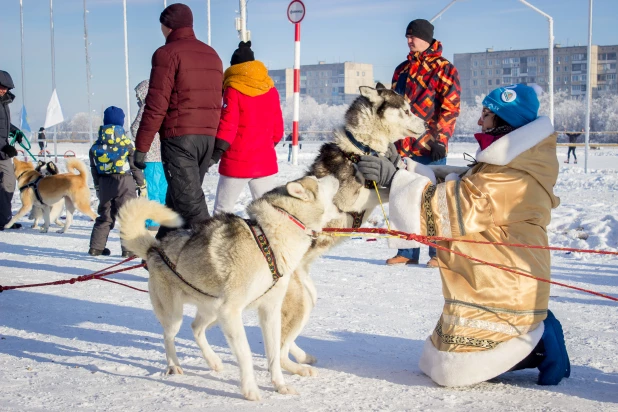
x=36, y=189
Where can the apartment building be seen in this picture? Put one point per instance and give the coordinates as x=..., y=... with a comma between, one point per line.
x=330, y=83
x=481, y=72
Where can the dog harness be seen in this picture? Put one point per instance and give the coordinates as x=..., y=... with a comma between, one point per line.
x=360, y=146
x=35, y=186
x=172, y=267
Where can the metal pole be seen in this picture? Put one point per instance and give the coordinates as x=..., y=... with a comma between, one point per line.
x=243, y=20
x=126, y=62
x=208, y=18
x=23, y=62
x=588, y=87
x=448, y=6
x=87, y=74
x=296, y=116
x=164, y=3
x=53, y=69
x=550, y=57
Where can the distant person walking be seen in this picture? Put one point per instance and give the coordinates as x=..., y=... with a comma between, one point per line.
x=154, y=173
x=183, y=105
x=572, y=139
x=430, y=84
x=250, y=127
x=41, y=139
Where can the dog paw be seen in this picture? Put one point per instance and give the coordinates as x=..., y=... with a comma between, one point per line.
x=174, y=370
x=286, y=390
x=307, y=371
x=216, y=365
x=309, y=360
x=60, y=231
x=252, y=394
x=44, y=230
x=35, y=227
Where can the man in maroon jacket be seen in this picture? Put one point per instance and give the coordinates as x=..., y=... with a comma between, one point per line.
x=183, y=105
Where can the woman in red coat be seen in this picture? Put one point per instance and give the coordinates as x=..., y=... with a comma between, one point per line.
x=251, y=125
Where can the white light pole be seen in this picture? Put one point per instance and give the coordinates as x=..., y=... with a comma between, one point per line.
x=126, y=61
x=208, y=19
x=448, y=6
x=23, y=62
x=551, y=57
x=164, y=3
x=588, y=87
x=243, y=19
x=53, y=69
x=87, y=74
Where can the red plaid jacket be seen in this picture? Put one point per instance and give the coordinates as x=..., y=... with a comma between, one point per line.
x=430, y=83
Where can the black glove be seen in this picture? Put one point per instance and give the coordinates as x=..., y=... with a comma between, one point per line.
x=438, y=150
x=140, y=160
x=216, y=156
x=9, y=150
x=378, y=169
x=19, y=136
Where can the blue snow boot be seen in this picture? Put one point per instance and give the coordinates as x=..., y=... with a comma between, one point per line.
x=556, y=364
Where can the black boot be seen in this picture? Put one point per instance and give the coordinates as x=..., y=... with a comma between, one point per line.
x=98, y=252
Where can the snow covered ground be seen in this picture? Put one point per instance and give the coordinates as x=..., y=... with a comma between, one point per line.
x=98, y=346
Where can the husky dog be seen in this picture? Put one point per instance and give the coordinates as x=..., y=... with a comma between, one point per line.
x=36, y=214
x=35, y=189
x=222, y=269
x=374, y=120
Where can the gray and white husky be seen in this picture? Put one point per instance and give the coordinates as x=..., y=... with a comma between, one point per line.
x=220, y=268
x=374, y=120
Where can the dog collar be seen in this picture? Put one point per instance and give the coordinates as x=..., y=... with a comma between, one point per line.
x=311, y=233
x=360, y=146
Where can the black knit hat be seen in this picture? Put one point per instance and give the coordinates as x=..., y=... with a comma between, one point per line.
x=243, y=53
x=420, y=28
x=176, y=16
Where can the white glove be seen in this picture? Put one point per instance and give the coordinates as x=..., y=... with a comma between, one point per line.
x=452, y=176
x=420, y=169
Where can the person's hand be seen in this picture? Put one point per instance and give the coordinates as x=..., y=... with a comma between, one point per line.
x=140, y=160
x=378, y=169
x=216, y=156
x=19, y=136
x=142, y=191
x=438, y=150
x=9, y=150
x=392, y=154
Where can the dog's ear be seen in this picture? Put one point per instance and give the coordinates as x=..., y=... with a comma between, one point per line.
x=380, y=86
x=371, y=94
x=297, y=190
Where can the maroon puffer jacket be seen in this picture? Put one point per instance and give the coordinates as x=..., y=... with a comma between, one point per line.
x=186, y=84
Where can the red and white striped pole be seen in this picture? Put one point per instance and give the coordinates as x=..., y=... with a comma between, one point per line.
x=296, y=94
x=296, y=13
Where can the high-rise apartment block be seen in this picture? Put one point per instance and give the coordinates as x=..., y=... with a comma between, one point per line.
x=331, y=83
x=479, y=73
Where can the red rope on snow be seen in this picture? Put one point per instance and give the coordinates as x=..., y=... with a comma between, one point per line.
x=429, y=240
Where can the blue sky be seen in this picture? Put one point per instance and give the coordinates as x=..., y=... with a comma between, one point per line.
x=369, y=31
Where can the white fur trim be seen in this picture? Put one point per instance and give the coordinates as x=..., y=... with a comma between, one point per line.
x=469, y=368
x=451, y=176
x=416, y=167
x=508, y=147
x=405, y=206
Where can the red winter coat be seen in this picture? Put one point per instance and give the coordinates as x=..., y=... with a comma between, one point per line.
x=185, y=90
x=251, y=125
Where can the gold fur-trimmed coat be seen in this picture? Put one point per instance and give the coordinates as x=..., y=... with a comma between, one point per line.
x=492, y=319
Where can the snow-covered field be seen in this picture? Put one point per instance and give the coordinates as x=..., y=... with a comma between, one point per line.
x=98, y=346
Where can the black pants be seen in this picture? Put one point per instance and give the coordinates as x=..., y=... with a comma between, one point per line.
x=7, y=187
x=114, y=191
x=571, y=149
x=185, y=162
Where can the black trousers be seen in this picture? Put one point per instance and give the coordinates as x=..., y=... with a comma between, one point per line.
x=185, y=163
x=571, y=149
x=114, y=192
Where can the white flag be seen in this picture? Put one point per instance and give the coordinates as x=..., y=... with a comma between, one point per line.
x=54, y=111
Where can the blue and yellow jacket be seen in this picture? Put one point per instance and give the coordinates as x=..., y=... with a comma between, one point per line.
x=112, y=154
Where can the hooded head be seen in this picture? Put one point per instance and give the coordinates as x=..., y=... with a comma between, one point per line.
x=113, y=115
x=242, y=54
x=517, y=104
x=176, y=16
x=141, y=90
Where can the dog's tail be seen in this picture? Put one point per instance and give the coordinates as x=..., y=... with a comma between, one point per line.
x=132, y=219
x=74, y=164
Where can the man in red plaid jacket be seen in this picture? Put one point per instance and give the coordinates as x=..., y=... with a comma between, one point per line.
x=430, y=83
